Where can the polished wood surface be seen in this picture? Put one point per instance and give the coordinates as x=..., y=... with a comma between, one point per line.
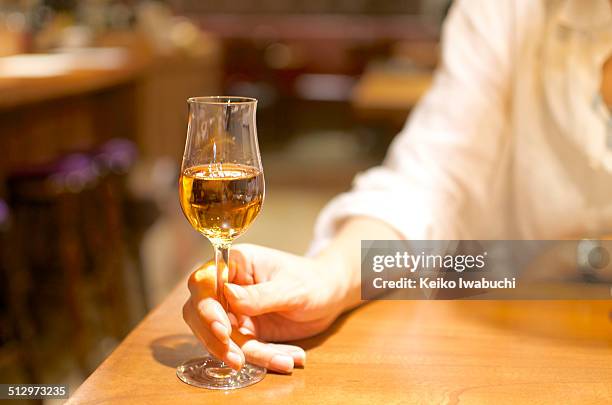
x=391, y=352
x=16, y=91
x=141, y=97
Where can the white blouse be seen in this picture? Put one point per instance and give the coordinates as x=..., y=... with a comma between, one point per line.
x=513, y=140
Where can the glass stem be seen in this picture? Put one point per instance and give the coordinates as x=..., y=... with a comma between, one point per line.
x=222, y=265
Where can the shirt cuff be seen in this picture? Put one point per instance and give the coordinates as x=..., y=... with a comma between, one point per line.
x=413, y=214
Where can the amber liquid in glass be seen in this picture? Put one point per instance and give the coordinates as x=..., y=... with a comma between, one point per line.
x=221, y=200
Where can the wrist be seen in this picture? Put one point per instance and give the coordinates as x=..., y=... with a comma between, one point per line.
x=340, y=262
x=338, y=279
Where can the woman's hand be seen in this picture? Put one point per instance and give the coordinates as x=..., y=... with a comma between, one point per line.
x=272, y=296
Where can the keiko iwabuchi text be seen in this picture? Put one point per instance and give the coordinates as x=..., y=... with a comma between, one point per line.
x=440, y=282
x=411, y=262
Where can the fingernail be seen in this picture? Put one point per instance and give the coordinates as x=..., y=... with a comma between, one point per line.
x=301, y=356
x=236, y=291
x=220, y=331
x=234, y=360
x=282, y=363
x=246, y=331
x=236, y=350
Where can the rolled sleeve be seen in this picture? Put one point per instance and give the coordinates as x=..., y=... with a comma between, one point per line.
x=380, y=194
x=447, y=154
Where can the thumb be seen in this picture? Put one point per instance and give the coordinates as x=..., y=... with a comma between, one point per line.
x=257, y=299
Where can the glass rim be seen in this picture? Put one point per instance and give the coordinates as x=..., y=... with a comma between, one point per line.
x=221, y=100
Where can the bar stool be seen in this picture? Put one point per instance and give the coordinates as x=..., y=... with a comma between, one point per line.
x=70, y=221
x=16, y=331
x=117, y=269
x=47, y=240
x=115, y=159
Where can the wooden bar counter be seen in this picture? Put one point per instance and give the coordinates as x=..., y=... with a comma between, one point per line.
x=391, y=352
x=57, y=103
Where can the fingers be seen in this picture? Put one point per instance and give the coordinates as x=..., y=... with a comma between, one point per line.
x=268, y=356
x=261, y=298
x=241, y=264
x=234, y=357
x=213, y=336
x=255, y=264
x=202, y=282
x=213, y=316
x=276, y=357
x=297, y=353
x=202, y=286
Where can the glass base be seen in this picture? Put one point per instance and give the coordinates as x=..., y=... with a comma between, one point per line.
x=208, y=372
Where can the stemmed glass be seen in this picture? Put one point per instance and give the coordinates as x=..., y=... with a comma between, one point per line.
x=221, y=191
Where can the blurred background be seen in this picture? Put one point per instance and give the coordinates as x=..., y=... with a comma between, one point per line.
x=92, y=127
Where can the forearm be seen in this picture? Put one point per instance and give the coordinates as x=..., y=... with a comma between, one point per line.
x=341, y=259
